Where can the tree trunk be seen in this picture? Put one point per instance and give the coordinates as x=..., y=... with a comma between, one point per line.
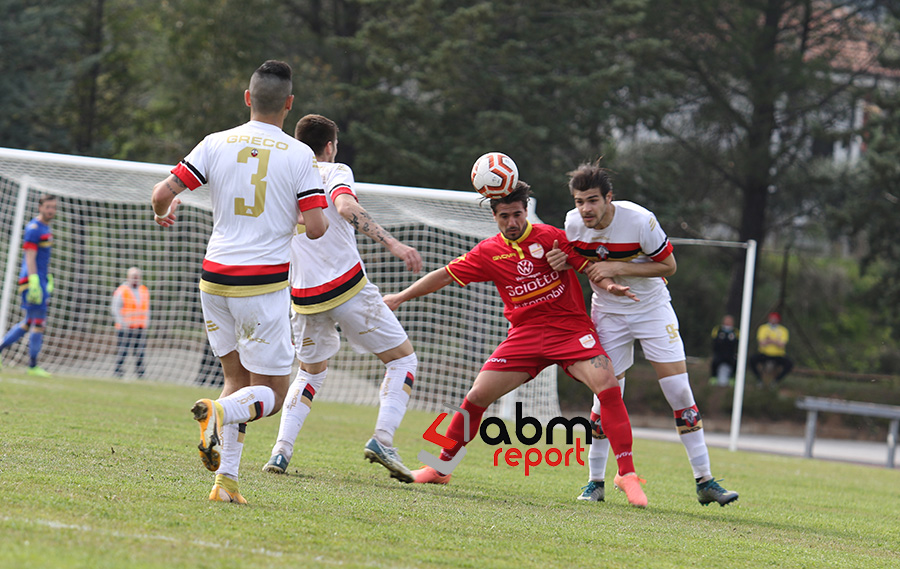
x=87, y=84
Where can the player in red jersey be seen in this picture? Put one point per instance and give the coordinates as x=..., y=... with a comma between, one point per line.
x=549, y=326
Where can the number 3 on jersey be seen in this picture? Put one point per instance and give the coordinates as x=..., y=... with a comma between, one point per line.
x=258, y=180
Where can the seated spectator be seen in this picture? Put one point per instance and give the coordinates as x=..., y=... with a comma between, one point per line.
x=724, y=351
x=772, y=338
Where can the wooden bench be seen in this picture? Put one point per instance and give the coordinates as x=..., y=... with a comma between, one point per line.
x=813, y=405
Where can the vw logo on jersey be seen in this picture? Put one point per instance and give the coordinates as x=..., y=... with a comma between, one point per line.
x=525, y=267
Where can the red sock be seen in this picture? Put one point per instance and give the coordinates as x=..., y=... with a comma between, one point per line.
x=617, y=427
x=457, y=425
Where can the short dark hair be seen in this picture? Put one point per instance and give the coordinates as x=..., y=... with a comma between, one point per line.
x=589, y=176
x=270, y=86
x=46, y=198
x=316, y=132
x=520, y=194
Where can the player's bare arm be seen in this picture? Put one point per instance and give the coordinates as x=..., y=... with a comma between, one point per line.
x=357, y=216
x=432, y=282
x=31, y=261
x=315, y=221
x=601, y=269
x=165, y=200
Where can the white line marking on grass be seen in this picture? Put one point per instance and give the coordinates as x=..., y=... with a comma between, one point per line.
x=20, y=381
x=220, y=546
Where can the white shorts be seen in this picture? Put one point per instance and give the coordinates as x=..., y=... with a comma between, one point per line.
x=657, y=329
x=366, y=321
x=258, y=327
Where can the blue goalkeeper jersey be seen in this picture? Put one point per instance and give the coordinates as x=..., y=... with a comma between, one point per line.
x=38, y=236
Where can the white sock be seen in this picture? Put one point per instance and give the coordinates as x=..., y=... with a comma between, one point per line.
x=297, y=405
x=598, y=455
x=232, y=448
x=248, y=404
x=398, y=381
x=677, y=390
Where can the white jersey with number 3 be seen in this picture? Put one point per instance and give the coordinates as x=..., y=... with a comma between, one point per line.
x=634, y=236
x=259, y=179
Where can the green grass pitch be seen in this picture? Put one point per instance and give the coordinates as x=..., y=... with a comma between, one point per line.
x=105, y=474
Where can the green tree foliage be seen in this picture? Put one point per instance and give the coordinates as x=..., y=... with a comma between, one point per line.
x=442, y=82
x=875, y=213
x=75, y=75
x=709, y=112
x=745, y=86
x=33, y=84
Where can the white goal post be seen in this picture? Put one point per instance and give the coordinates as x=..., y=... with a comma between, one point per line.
x=105, y=225
x=746, y=304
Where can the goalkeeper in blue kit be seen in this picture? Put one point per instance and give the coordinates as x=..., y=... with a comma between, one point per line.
x=35, y=284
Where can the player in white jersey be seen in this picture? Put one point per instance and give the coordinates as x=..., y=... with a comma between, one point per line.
x=328, y=287
x=260, y=180
x=627, y=244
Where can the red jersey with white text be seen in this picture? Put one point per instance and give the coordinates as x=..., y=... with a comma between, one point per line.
x=259, y=180
x=532, y=292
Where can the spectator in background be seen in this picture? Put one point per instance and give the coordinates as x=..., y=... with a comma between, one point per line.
x=724, y=349
x=772, y=338
x=131, y=312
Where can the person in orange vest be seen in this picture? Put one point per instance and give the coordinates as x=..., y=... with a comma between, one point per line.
x=131, y=311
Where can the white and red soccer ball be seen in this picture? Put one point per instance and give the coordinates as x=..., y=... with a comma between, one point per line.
x=495, y=175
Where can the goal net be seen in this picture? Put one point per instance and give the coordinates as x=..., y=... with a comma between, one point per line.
x=104, y=225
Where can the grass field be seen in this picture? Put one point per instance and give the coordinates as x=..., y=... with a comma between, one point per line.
x=101, y=474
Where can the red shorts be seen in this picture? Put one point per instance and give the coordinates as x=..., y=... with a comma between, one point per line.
x=532, y=348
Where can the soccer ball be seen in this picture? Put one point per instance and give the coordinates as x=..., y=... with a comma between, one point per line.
x=495, y=175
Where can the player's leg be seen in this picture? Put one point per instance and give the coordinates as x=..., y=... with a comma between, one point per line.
x=121, y=351
x=618, y=343
x=140, y=346
x=256, y=373
x=511, y=364
x=785, y=365
x=598, y=454
x=297, y=406
x=315, y=342
x=36, y=314
x=370, y=327
x=15, y=334
x=220, y=329
x=489, y=385
x=597, y=374
x=661, y=342
x=35, y=345
x=400, y=365
x=756, y=361
x=263, y=335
